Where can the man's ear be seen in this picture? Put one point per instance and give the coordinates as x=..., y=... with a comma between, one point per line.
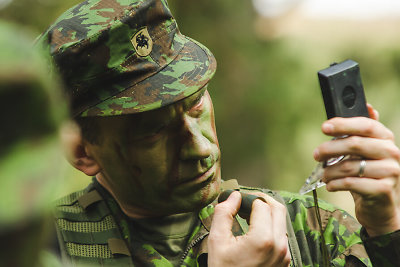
x=77, y=151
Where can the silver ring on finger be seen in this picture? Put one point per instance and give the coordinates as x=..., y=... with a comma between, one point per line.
x=363, y=164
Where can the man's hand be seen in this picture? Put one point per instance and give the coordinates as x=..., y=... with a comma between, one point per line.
x=265, y=244
x=377, y=192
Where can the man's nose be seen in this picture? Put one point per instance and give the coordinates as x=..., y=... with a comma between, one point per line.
x=195, y=146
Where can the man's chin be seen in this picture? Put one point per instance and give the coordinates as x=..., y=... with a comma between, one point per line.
x=199, y=199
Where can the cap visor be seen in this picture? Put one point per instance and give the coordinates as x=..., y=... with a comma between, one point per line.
x=191, y=70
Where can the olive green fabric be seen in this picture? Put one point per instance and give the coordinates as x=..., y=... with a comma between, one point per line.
x=384, y=250
x=341, y=232
x=125, y=56
x=167, y=235
x=85, y=234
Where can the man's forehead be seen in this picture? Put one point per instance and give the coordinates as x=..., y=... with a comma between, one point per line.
x=150, y=120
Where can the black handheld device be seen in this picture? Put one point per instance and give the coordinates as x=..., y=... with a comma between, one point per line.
x=245, y=206
x=342, y=90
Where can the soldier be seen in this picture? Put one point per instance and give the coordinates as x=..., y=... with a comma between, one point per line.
x=138, y=91
x=30, y=161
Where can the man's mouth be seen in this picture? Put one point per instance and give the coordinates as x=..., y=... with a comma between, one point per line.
x=201, y=177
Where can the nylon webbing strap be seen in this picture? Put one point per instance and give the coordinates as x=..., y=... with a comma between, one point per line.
x=89, y=198
x=65, y=259
x=118, y=246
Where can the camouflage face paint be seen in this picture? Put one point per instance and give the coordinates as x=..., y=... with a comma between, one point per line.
x=168, y=159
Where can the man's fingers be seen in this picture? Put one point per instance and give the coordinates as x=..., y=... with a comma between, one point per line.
x=278, y=212
x=268, y=228
x=373, y=113
x=268, y=218
x=360, y=126
x=370, y=148
x=363, y=186
x=224, y=212
x=260, y=219
x=279, y=228
x=265, y=244
x=373, y=169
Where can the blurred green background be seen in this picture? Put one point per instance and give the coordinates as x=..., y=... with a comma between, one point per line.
x=266, y=93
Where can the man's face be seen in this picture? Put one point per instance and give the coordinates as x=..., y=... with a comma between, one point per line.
x=161, y=162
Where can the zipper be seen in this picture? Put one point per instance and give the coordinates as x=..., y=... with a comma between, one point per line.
x=191, y=245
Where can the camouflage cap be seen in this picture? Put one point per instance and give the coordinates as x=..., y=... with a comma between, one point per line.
x=125, y=56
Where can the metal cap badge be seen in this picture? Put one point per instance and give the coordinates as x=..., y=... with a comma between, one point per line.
x=142, y=42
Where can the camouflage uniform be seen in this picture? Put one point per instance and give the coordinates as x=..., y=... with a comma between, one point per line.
x=128, y=56
x=31, y=164
x=95, y=231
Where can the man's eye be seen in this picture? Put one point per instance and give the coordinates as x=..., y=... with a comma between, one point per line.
x=151, y=136
x=156, y=132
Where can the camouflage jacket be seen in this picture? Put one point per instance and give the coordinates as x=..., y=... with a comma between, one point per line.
x=93, y=231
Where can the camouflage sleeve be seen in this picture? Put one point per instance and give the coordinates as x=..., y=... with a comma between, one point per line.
x=340, y=230
x=383, y=250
